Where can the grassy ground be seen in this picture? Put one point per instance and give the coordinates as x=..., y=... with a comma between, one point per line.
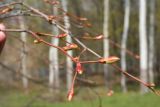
x=19, y=99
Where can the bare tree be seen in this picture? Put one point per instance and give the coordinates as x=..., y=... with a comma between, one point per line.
x=143, y=44
x=151, y=41
x=23, y=53
x=54, y=81
x=69, y=62
x=124, y=43
x=106, y=41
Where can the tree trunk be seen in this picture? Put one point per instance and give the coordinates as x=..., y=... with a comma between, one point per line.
x=106, y=42
x=151, y=41
x=143, y=45
x=124, y=44
x=54, y=81
x=69, y=62
x=23, y=54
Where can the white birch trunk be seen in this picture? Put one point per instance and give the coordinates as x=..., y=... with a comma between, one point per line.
x=151, y=41
x=143, y=45
x=106, y=41
x=23, y=53
x=54, y=81
x=124, y=44
x=69, y=66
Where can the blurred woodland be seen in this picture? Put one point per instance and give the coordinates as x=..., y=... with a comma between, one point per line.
x=125, y=29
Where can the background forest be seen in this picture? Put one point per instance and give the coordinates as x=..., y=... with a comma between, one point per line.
x=34, y=74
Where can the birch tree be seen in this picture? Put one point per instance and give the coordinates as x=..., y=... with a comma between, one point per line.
x=124, y=43
x=54, y=81
x=106, y=41
x=143, y=44
x=151, y=40
x=69, y=63
x=23, y=53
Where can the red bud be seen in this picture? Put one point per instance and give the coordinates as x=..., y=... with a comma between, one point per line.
x=37, y=41
x=70, y=47
x=137, y=56
x=79, y=68
x=54, y=2
x=83, y=19
x=110, y=59
x=62, y=35
x=70, y=94
x=99, y=37
x=6, y=10
x=110, y=93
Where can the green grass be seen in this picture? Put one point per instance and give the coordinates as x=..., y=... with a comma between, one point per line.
x=18, y=99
